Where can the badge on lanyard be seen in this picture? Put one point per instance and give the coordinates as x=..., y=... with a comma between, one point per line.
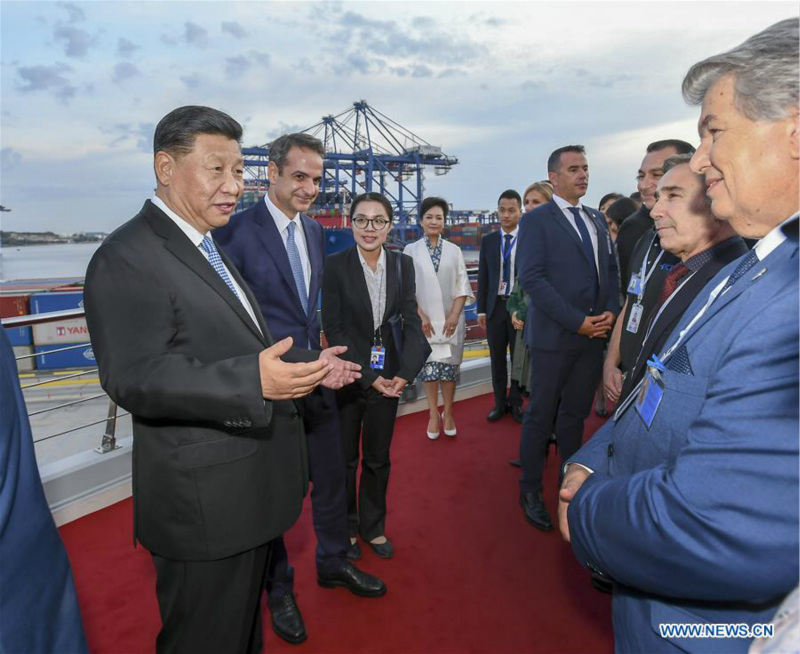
x=377, y=355
x=503, y=288
x=649, y=397
x=635, y=318
x=635, y=285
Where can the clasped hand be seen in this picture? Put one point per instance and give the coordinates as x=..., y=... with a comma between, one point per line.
x=573, y=480
x=389, y=387
x=597, y=326
x=285, y=381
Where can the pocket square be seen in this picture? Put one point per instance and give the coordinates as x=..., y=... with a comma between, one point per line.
x=679, y=362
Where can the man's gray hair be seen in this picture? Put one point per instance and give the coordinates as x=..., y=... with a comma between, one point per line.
x=279, y=148
x=675, y=160
x=766, y=72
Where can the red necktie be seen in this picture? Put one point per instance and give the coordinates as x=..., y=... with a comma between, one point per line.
x=671, y=282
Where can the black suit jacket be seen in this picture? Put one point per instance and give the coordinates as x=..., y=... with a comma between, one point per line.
x=347, y=315
x=727, y=251
x=489, y=268
x=217, y=470
x=631, y=230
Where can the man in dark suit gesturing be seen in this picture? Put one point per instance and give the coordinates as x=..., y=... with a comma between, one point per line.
x=219, y=461
x=567, y=266
x=279, y=251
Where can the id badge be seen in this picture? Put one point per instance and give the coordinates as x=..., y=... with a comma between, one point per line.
x=649, y=398
x=635, y=318
x=377, y=356
x=503, y=288
x=635, y=285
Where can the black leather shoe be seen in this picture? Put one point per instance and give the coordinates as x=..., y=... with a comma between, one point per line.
x=357, y=582
x=286, y=619
x=517, y=463
x=496, y=413
x=535, y=511
x=383, y=550
x=354, y=551
x=517, y=413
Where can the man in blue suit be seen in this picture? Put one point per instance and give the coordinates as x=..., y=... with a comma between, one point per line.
x=280, y=251
x=689, y=500
x=567, y=266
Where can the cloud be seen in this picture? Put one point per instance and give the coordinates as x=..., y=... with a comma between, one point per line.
x=452, y=72
x=239, y=65
x=75, y=12
x=421, y=70
x=76, y=41
x=192, y=81
x=495, y=22
x=141, y=133
x=235, y=29
x=47, y=78
x=124, y=71
x=168, y=39
x=423, y=22
x=126, y=48
x=305, y=66
x=9, y=159
x=195, y=35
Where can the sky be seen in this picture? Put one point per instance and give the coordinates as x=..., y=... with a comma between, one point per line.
x=497, y=85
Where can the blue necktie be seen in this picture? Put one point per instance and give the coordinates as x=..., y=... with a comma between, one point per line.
x=748, y=261
x=507, y=263
x=216, y=262
x=586, y=240
x=297, y=266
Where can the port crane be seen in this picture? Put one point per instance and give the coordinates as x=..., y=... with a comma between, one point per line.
x=365, y=150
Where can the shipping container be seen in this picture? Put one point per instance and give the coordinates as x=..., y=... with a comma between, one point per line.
x=47, y=302
x=16, y=305
x=61, y=332
x=24, y=365
x=81, y=357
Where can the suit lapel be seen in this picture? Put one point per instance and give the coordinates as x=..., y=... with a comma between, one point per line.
x=315, y=256
x=269, y=235
x=184, y=250
x=391, y=284
x=360, y=284
x=561, y=220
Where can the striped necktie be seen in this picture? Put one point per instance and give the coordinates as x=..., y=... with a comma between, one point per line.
x=297, y=266
x=748, y=261
x=216, y=262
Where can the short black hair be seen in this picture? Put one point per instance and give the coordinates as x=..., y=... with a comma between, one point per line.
x=429, y=203
x=609, y=196
x=372, y=197
x=554, y=159
x=681, y=147
x=621, y=209
x=280, y=147
x=510, y=194
x=176, y=132
x=636, y=196
x=675, y=160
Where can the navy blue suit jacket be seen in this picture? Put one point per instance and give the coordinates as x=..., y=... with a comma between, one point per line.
x=252, y=242
x=697, y=517
x=556, y=273
x=489, y=266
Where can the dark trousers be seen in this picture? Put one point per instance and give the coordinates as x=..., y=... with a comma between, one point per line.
x=209, y=607
x=328, y=498
x=502, y=336
x=566, y=377
x=367, y=420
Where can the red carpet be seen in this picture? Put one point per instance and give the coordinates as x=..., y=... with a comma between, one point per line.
x=469, y=574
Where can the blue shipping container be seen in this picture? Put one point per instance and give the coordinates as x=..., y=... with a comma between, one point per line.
x=47, y=302
x=80, y=357
x=19, y=335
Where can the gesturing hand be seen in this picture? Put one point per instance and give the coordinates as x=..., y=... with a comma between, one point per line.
x=573, y=480
x=285, y=381
x=342, y=372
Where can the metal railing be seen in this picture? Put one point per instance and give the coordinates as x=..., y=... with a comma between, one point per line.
x=108, y=441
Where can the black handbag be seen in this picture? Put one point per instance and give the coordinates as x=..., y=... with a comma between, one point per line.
x=395, y=322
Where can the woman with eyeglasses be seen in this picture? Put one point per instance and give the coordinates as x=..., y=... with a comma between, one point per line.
x=362, y=293
x=442, y=290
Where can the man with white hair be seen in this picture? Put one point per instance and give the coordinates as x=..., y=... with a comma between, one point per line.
x=688, y=501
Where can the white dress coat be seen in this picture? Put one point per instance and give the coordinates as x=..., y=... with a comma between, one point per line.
x=436, y=293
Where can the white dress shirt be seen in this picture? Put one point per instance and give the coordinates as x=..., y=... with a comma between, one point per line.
x=197, y=238
x=590, y=226
x=282, y=223
x=376, y=285
x=514, y=236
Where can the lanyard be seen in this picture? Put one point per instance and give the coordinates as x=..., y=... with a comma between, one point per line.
x=664, y=306
x=508, y=246
x=644, y=274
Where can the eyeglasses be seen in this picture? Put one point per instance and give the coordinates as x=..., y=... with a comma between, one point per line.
x=378, y=224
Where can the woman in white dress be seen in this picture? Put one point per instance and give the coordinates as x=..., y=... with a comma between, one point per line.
x=442, y=290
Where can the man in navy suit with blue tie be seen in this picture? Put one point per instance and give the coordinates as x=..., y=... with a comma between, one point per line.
x=280, y=251
x=689, y=500
x=567, y=266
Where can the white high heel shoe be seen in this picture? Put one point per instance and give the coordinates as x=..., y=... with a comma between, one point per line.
x=448, y=432
x=433, y=435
